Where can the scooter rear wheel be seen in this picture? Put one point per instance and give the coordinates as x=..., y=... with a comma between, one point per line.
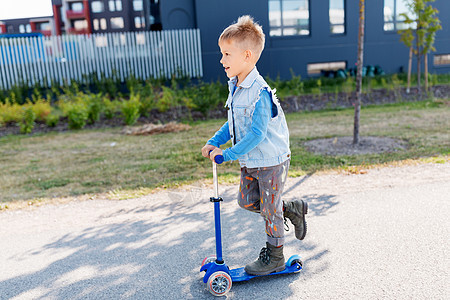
x=219, y=283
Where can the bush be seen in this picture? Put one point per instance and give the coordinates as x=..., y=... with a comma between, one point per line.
x=52, y=119
x=94, y=107
x=27, y=121
x=110, y=108
x=42, y=109
x=77, y=114
x=10, y=113
x=130, y=110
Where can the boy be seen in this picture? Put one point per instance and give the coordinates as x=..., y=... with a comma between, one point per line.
x=260, y=137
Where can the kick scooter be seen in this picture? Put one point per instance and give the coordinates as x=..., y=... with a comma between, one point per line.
x=218, y=276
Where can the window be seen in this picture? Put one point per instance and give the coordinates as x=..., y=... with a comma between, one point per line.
x=97, y=6
x=22, y=28
x=77, y=6
x=317, y=68
x=103, y=25
x=139, y=22
x=96, y=24
x=441, y=60
x=43, y=26
x=289, y=17
x=115, y=5
x=138, y=5
x=392, y=19
x=337, y=16
x=80, y=24
x=28, y=28
x=117, y=23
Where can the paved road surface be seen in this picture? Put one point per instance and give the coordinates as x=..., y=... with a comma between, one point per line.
x=380, y=235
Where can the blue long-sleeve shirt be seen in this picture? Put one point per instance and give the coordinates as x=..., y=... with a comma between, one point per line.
x=258, y=130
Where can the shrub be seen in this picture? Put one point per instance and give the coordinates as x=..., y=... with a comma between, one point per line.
x=130, y=110
x=147, y=99
x=77, y=114
x=10, y=113
x=167, y=99
x=52, y=119
x=94, y=107
x=42, y=109
x=110, y=108
x=26, y=123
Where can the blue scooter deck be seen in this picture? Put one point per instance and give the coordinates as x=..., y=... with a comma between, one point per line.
x=240, y=275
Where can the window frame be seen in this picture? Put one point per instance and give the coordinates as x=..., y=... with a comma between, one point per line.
x=282, y=27
x=394, y=21
x=340, y=24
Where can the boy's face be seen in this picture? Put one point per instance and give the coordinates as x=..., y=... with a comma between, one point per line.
x=237, y=62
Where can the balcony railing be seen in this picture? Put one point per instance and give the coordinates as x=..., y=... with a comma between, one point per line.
x=78, y=31
x=72, y=14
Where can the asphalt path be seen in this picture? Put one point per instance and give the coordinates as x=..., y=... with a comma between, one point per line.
x=379, y=235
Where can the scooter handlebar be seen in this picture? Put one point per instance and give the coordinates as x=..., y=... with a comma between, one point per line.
x=218, y=158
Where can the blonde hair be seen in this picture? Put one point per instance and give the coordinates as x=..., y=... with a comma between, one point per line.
x=246, y=33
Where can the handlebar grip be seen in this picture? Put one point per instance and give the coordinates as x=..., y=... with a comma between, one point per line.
x=218, y=158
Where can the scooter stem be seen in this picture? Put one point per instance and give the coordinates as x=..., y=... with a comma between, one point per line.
x=216, y=199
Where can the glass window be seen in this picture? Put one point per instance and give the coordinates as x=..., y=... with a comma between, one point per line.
x=115, y=5
x=103, y=25
x=117, y=23
x=317, y=68
x=441, y=60
x=289, y=17
x=119, y=5
x=96, y=24
x=138, y=5
x=22, y=28
x=80, y=24
x=28, y=28
x=392, y=19
x=139, y=22
x=337, y=16
x=77, y=6
x=97, y=6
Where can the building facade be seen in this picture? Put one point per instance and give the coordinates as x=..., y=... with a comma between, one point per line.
x=302, y=36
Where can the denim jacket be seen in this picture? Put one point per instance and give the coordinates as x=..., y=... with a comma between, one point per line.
x=274, y=148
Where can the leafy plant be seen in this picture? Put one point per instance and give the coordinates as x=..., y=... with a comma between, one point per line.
x=130, y=110
x=77, y=114
x=94, y=107
x=27, y=121
x=110, y=108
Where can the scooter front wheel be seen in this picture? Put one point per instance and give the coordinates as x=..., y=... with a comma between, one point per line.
x=219, y=283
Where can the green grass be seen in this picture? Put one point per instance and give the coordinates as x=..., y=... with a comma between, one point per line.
x=100, y=161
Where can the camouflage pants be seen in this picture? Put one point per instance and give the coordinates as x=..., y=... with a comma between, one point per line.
x=260, y=192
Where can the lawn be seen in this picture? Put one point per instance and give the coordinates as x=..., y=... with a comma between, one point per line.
x=107, y=161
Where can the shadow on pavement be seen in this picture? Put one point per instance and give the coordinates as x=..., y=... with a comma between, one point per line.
x=154, y=251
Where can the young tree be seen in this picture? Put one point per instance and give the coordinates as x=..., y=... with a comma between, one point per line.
x=422, y=23
x=359, y=72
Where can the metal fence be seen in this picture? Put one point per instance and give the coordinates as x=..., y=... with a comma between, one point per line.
x=61, y=59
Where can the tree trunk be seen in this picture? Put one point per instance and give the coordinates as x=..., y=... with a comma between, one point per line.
x=426, y=71
x=409, y=68
x=359, y=73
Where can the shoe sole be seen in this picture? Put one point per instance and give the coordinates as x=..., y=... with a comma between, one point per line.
x=305, y=226
x=278, y=269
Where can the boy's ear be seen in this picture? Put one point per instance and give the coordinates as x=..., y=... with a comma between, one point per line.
x=248, y=54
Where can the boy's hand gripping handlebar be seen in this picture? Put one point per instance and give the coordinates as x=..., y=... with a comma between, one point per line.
x=218, y=159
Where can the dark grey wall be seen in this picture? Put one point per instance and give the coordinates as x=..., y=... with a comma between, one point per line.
x=282, y=54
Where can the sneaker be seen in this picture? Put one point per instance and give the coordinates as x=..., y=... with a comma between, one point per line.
x=296, y=211
x=271, y=259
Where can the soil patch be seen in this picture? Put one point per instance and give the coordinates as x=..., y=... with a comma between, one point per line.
x=344, y=145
